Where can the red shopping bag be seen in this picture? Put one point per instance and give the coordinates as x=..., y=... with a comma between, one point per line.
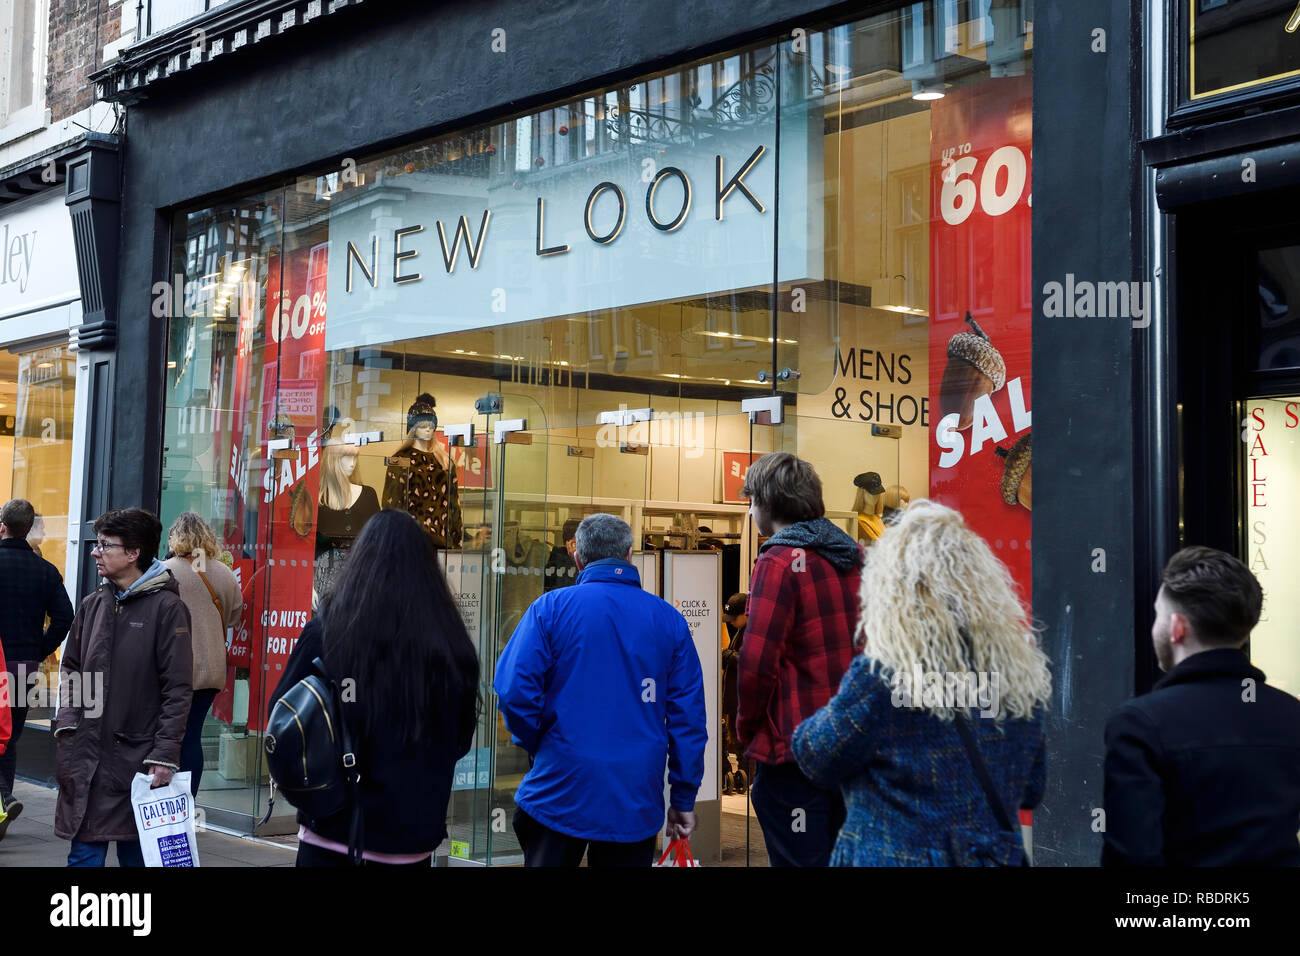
x=681, y=853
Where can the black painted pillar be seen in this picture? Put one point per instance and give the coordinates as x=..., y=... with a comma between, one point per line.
x=1086, y=165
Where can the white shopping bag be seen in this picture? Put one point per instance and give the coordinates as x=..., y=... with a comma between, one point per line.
x=164, y=818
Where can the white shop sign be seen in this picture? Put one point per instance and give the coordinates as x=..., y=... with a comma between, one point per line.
x=38, y=262
x=425, y=253
x=464, y=574
x=693, y=585
x=647, y=569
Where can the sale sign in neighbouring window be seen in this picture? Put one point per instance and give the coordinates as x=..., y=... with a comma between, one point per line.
x=472, y=462
x=981, y=310
x=1271, y=464
x=735, y=465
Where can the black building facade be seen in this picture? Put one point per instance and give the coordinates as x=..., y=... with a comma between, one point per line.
x=276, y=150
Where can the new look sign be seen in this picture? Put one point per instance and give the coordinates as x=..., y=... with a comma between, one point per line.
x=426, y=253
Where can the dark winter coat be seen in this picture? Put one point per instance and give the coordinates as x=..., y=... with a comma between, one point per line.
x=141, y=645
x=1204, y=770
x=30, y=589
x=404, y=789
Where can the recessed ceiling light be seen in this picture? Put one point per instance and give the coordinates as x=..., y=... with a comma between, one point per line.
x=932, y=90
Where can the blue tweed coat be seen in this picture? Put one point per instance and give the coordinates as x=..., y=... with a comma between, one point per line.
x=911, y=795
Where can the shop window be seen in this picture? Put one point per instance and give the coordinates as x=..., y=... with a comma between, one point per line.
x=36, y=413
x=1271, y=467
x=634, y=264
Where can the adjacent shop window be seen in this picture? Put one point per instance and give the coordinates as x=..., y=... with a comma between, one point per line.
x=37, y=402
x=1271, y=453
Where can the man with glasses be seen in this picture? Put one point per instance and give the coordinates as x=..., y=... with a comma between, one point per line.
x=130, y=639
x=31, y=590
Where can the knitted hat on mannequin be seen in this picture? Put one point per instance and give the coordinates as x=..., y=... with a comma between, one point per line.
x=422, y=411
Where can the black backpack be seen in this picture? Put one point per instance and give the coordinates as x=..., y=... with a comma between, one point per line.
x=310, y=754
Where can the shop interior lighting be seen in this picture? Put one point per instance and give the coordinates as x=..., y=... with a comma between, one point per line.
x=924, y=91
x=747, y=338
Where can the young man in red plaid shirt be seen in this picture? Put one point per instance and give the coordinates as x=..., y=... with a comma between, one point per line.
x=803, y=612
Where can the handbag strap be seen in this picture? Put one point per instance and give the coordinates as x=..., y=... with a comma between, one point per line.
x=982, y=773
x=212, y=592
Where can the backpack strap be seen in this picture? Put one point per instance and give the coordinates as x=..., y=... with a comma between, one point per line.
x=356, y=830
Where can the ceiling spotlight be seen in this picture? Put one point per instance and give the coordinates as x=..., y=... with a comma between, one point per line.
x=927, y=90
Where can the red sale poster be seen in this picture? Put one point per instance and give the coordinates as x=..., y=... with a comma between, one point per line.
x=291, y=397
x=735, y=465
x=238, y=465
x=980, y=313
x=473, y=466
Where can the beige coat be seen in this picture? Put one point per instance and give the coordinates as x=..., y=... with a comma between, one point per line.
x=208, y=626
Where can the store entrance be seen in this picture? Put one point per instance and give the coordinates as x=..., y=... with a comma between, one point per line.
x=1239, y=403
x=674, y=473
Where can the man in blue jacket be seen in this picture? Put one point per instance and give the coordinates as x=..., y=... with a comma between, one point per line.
x=602, y=685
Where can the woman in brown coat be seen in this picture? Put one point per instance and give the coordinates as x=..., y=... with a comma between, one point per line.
x=131, y=639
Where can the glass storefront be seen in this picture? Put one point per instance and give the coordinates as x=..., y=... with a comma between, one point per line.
x=599, y=302
x=37, y=403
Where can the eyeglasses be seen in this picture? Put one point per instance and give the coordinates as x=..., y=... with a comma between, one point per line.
x=102, y=546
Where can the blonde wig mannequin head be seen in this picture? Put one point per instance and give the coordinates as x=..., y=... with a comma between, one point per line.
x=927, y=580
x=336, y=482
x=865, y=503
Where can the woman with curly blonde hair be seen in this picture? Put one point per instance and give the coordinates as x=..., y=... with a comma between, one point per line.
x=951, y=685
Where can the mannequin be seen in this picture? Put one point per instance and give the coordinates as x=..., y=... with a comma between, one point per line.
x=870, y=506
x=421, y=477
x=895, y=499
x=345, y=507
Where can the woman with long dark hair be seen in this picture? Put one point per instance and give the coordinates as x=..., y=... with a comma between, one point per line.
x=391, y=627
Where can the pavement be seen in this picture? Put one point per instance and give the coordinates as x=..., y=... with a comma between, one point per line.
x=30, y=840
